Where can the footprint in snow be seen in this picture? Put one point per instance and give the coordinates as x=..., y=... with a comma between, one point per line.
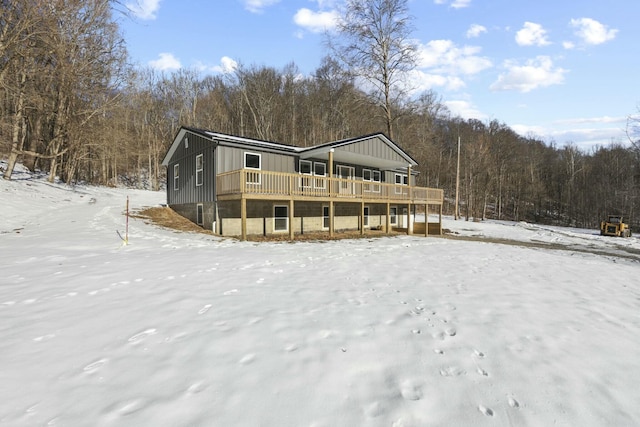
x=142, y=335
x=486, y=411
x=478, y=354
x=410, y=390
x=452, y=371
x=94, y=366
x=513, y=402
x=482, y=372
x=248, y=359
x=204, y=309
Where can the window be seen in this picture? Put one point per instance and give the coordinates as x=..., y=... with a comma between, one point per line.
x=252, y=161
x=280, y=218
x=371, y=176
x=325, y=217
x=199, y=168
x=200, y=215
x=320, y=169
x=401, y=179
x=365, y=218
x=393, y=215
x=176, y=176
x=375, y=177
x=305, y=169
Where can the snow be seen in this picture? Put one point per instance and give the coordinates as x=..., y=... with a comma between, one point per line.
x=181, y=329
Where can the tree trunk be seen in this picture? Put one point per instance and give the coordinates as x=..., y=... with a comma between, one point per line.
x=17, y=137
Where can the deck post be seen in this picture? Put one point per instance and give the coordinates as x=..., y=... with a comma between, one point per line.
x=291, y=206
x=362, y=218
x=409, y=222
x=440, y=219
x=331, y=195
x=243, y=219
x=426, y=220
x=388, y=227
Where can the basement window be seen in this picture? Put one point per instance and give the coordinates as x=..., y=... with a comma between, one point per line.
x=200, y=215
x=281, y=218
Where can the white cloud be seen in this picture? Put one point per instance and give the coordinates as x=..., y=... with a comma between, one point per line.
x=475, y=30
x=456, y=4
x=258, y=6
x=532, y=34
x=536, y=73
x=443, y=56
x=593, y=120
x=144, y=9
x=592, y=32
x=465, y=109
x=227, y=65
x=419, y=81
x=166, y=61
x=568, y=45
x=316, y=22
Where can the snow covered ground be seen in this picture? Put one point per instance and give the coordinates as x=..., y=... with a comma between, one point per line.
x=191, y=330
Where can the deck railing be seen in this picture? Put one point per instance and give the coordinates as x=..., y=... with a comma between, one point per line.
x=289, y=185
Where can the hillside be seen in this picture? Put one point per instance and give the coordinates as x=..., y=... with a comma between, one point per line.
x=500, y=324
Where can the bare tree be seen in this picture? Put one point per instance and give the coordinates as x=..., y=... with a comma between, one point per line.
x=374, y=42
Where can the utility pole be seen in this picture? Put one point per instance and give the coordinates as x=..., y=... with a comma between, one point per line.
x=456, y=214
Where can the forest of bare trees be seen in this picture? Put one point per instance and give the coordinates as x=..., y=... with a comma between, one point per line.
x=71, y=106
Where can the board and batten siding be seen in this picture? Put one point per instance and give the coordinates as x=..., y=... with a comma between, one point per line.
x=373, y=147
x=185, y=156
x=232, y=158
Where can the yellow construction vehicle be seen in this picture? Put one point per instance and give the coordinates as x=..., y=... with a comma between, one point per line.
x=615, y=226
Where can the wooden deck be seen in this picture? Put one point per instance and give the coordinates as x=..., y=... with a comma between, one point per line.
x=252, y=184
x=248, y=184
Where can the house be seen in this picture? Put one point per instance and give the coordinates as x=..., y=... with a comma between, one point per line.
x=239, y=186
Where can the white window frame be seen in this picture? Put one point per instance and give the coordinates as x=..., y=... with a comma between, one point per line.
x=276, y=218
x=320, y=184
x=176, y=176
x=305, y=181
x=346, y=187
x=250, y=176
x=199, y=169
x=365, y=217
x=325, y=218
x=393, y=217
x=200, y=214
x=402, y=178
x=376, y=187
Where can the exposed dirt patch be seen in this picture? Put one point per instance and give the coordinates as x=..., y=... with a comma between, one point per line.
x=168, y=218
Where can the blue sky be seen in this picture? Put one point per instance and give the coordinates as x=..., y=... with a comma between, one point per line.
x=562, y=70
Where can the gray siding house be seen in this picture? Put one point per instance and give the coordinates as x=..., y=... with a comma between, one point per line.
x=239, y=186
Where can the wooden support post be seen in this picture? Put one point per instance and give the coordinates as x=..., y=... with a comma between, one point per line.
x=409, y=222
x=291, y=216
x=440, y=220
x=362, y=218
x=243, y=219
x=426, y=220
x=388, y=227
x=331, y=194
